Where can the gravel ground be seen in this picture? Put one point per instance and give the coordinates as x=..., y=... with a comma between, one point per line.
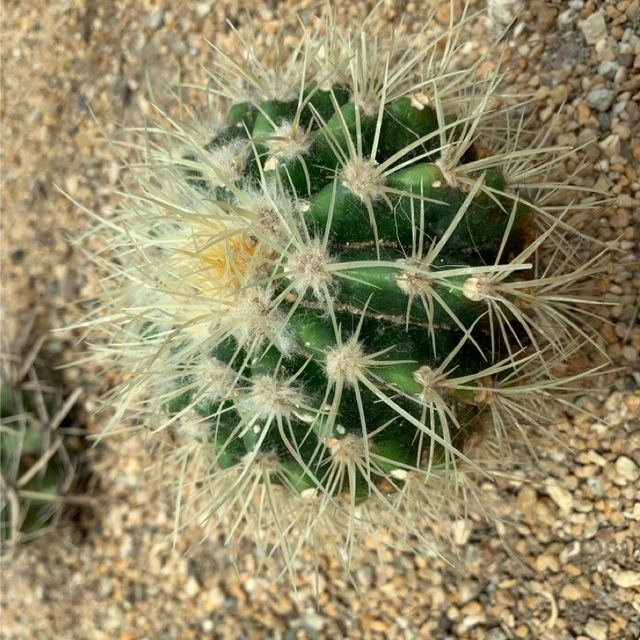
x=569, y=568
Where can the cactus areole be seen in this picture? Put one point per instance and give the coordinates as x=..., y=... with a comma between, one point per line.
x=359, y=265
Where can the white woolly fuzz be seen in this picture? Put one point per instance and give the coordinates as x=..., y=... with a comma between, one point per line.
x=345, y=362
x=253, y=320
x=226, y=163
x=217, y=380
x=363, y=178
x=285, y=142
x=306, y=267
x=347, y=450
x=192, y=428
x=269, y=397
x=272, y=214
x=414, y=281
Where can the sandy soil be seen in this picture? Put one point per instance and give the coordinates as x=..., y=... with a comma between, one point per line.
x=568, y=569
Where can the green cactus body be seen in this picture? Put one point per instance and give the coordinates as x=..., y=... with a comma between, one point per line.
x=341, y=283
x=393, y=319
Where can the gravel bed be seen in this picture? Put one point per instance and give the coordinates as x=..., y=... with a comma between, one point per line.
x=569, y=566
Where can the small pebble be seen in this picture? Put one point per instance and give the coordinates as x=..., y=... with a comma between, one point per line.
x=156, y=19
x=313, y=621
x=600, y=99
x=625, y=579
x=546, y=15
x=594, y=27
x=570, y=592
x=627, y=469
x=207, y=625
x=608, y=69
x=597, y=630
x=610, y=145
x=559, y=495
x=504, y=12
x=203, y=9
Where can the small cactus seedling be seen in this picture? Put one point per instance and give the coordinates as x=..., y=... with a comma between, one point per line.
x=357, y=272
x=37, y=468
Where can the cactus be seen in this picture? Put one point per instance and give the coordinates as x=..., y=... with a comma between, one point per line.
x=36, y=459
x=360, y=272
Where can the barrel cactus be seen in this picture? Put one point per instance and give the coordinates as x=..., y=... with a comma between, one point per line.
x=38, y=465
x=353, y=272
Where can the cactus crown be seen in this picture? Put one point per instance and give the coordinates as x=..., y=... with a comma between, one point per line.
x=337, y=286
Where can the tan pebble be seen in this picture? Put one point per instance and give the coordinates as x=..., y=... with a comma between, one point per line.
x=614, y=401
x=625, y=200
x=597, y=630
x=560, y=94
x=594, y=28
x=461, y=532
x=467, y=590
x=71, y=185
x=621, y=129
x=547, y=562
x=379, y=626
x=572, y=570
x=438, y=597
x=596, y=458
x=443, y=15
x=617, y=32
x=526, y=500
x=604, y=51
x=570, y=592
x=633, y=404
x=192, y=587
x=567, y=139
x=584, y=112
x=545, y=513
x=625, y=579
x=587, y=471
x=473, y=608
x=546, y=16
x=213, y=598
x=541, y=94
x=610, y=145
x=559, y=495
x=623, y=217
x=468, y=622
x=627, y=469
x=546, y=113
x=486, y=68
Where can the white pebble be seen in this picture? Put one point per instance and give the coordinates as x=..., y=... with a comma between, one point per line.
x=627, y=469
x=594, y=27
x=625, y=579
